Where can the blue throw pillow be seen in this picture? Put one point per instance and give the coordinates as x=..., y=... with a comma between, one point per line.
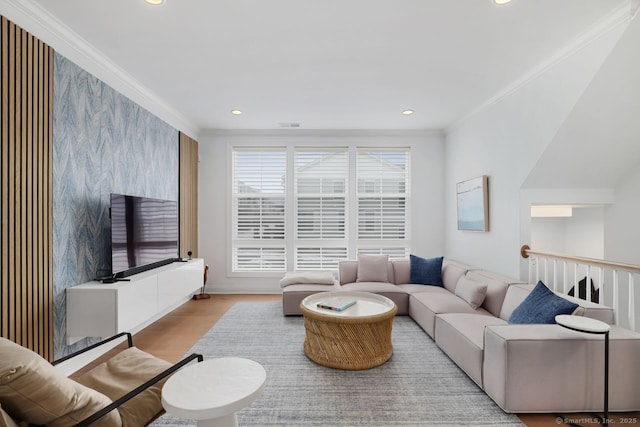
x=426, y=271
x=541, y=306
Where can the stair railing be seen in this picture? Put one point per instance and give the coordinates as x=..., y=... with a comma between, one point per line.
x=615, y=281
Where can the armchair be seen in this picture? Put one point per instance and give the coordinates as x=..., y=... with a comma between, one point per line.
x=33, y=391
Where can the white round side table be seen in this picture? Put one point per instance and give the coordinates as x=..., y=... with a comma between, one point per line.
x=591, y=326
x=214, y=390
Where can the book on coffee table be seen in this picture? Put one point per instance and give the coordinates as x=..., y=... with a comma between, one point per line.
x=336, y=304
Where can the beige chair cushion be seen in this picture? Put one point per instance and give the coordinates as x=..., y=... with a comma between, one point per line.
x=32, y=390
x=121, y=374
x=5, y=419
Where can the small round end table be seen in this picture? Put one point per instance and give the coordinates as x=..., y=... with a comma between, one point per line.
x=591, y=326
x=214, y=390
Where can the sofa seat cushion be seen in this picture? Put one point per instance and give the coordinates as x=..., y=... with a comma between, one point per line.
x=124, y=372
x=461, y=337
x=293, y=295
x=562, y=369
x=32, y=390
x=389, y=290
x=410, y=288
x=424, y=306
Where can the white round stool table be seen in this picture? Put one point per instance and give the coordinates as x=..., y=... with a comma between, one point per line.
x=214, y=390
x=591, y=326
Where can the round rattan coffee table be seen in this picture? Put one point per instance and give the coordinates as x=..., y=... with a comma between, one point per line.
x=359, y=337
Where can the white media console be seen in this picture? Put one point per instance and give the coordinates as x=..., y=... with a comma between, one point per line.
x=96, y=309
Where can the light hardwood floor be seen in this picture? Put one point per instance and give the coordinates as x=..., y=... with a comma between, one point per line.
x=172, y=336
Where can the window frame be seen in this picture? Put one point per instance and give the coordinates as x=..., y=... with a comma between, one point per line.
x=291, y=242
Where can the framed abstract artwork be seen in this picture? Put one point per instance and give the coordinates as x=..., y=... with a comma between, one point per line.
x=473, y=204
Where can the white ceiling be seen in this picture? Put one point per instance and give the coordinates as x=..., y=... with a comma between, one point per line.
x=329, y=64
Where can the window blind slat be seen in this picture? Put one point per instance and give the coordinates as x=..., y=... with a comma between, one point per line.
x=382, y=181
x=321, y=177
x=320, y=205
x=259, y=209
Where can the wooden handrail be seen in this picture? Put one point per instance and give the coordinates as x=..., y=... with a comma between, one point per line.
x=526, y=251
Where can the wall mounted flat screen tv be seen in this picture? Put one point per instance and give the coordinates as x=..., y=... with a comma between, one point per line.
x=144, y=233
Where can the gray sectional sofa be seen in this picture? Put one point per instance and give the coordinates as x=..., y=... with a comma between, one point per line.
x=523, y=367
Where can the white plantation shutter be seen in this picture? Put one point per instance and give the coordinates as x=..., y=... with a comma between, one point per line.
x=321, y=177
x=383, y=189
x=326, y=258
x=393, y=252
x=259, y=209
x=326, y=192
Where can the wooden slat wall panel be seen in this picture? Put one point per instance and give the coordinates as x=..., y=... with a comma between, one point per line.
x=26, y=296
x=188, y=195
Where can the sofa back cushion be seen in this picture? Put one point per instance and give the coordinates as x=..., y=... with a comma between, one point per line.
x=348, y=272
x=401, y=271
x=514, y=297
x=452, y=271
x=496, y=289
x=32, y=390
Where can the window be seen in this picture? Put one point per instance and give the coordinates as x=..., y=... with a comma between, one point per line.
x=259, y=210
x=321, y=177
x=337, y=211
x=382, y=178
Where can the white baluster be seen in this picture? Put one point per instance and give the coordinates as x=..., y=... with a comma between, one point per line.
x=616, y=300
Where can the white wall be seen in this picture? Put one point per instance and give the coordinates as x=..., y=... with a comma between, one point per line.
x=427, y=180
x=504, y=141
x=622, y=224
x=581, y=234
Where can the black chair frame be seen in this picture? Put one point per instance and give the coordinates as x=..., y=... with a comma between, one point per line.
x=133, y=393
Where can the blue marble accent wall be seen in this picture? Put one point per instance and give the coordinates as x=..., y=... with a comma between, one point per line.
x=103, y=143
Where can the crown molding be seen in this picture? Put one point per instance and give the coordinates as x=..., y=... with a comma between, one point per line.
x=33, y=18
x=321, y=133
x=621, y=15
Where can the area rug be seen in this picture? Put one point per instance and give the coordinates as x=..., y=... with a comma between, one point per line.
x=418, y=386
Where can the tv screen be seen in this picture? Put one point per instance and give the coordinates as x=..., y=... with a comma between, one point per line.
x=144, y=233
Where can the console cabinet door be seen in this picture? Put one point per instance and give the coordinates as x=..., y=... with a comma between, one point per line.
x=137, y=302
x=179, y=283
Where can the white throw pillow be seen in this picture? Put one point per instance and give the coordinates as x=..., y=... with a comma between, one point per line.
x=471, y=291
x=372, y=268
x=314, y=277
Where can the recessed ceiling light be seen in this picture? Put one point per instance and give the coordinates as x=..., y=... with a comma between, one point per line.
x=236, y=112
x=501, y=1
x=407, y=112
x=154, y=2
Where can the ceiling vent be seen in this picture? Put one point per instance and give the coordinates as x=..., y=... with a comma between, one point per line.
x=290, y=125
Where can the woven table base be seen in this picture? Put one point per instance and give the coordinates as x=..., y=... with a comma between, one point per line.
x=348, y=343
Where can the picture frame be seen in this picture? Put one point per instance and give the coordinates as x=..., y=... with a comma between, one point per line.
x=473, y=204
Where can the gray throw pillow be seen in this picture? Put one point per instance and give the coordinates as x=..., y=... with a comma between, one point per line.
x=372, y=268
